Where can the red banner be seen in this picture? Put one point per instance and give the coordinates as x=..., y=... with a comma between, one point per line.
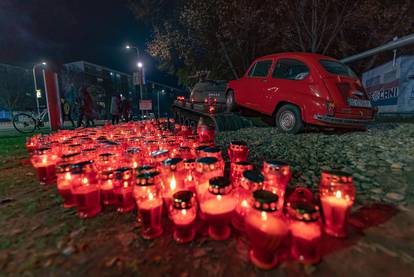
x=52, y=99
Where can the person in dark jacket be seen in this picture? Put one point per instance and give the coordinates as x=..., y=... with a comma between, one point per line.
x=115, y=108
x=85, y=103
x=125, y=108
x=66, y=111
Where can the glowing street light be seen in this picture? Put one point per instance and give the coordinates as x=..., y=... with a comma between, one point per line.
x=140, y=64
x=37, y=93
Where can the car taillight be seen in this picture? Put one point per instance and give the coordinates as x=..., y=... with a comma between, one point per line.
x=330, y=108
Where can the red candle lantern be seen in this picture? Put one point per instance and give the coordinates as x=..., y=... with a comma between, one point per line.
x=86, y=192
x=146, y=169
x=106, y=185
x=218, y=205
x=149, y=201
x=89, y=154
x=265, y=229
x=199, y=151
x=183, y=213
x=45, y=163
x=277, y=176
x=172, y=171
x=252, y=180
x=123, y=189
x=337, y=194
x=205, y=133
x=157, y=157
x=134, y=158
x=184, y=152
x=189, y=179
x=236, y=172
x=206, y=168
x=305, y=227
x=238, y=151
x=214, y=152
x=105, y=162
x=64, y=184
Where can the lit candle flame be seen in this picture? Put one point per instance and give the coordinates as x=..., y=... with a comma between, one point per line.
x=338, y=194
x=173, y=183
x=85, y=181
x=219, y=197
x=264, y=215
x=135, y=165
x=68, y=176
x=189, y=177
x=184, y=211
x=125, y=184
x=44, y=160
x=244, y=203
x=150, y=196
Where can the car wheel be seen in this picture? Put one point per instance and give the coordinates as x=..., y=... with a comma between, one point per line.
x=289, y=120
x=230, y=101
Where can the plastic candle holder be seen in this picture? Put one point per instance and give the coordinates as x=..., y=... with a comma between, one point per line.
x=45, y=163
x=236, y=172
x=265, y=229
x=134, y=158
x=106, y=185
x=205, y=133
x=218, y=205
x=189, y=169
x=172, y=171
x=123, y=189
x=238, y=151
x=277, y=176
x=183, y=213
x=157, y=157
x=252, y=180
x=305, y=228
x=206, y=168
x=86, y=193
x=106, y=161
x=337, y=194
x=242, y=208
x=64, y=182
x=214, y=152
x=149, y=201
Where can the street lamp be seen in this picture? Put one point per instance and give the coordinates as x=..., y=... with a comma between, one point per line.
x=140, y=67
x=35, y=83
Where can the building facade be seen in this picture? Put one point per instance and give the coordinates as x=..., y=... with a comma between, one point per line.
x=101, y=81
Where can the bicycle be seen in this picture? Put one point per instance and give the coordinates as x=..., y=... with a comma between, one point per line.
x=28, y=123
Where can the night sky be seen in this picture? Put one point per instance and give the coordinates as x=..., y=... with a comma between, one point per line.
x=61, y=31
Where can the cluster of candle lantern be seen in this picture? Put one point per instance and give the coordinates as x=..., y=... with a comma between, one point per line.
x=158, y=169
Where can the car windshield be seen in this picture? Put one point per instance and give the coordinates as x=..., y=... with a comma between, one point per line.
x=337, y=68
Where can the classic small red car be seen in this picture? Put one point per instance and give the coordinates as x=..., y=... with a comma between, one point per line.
x=302, y=88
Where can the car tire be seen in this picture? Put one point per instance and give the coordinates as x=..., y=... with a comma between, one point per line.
x=230, y=101
x=288, y=119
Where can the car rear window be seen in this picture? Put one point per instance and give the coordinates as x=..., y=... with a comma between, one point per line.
x=290, y=69
x=337, y=68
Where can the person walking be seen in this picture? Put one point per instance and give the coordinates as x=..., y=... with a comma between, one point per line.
x=85, y=102
x=115, y=108
x=125, y=108
x=66, y=111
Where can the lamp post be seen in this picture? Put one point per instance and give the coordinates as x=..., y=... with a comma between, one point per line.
x=35, y=83
x=140, y=69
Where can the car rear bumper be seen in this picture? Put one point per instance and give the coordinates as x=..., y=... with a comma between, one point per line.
x=342, y=121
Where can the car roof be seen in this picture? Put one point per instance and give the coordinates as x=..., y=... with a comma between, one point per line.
x=305, y=55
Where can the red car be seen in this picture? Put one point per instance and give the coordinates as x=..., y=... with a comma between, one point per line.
x=302, y=88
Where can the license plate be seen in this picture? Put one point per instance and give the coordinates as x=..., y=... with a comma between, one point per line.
x=359, y=103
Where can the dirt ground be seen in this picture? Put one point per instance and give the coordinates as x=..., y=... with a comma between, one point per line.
x=40, y=238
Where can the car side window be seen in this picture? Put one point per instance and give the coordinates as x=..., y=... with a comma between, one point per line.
x=260, y=69
x=290, y=69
